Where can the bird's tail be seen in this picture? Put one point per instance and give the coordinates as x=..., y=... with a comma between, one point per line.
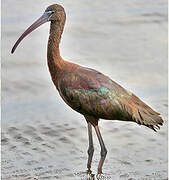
x=144, y=115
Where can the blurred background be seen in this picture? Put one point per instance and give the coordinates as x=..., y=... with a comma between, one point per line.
x=41, y=136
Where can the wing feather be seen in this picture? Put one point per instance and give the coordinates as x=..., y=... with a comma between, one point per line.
x=92, y=93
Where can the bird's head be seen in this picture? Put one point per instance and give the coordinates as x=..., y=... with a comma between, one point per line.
x=56, y=12
x=53, y=13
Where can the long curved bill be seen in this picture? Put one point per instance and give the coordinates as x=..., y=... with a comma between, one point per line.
x=43, y=19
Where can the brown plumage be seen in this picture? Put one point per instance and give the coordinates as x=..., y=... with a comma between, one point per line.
x=88, y=91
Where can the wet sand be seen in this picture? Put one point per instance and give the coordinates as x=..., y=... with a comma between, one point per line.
x=42, y=138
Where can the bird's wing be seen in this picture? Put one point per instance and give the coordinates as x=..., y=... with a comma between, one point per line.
x=92, y=93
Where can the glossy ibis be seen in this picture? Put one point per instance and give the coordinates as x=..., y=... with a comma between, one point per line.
x=88, y=91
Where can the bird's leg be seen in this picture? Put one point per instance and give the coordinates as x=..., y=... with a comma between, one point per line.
x=91, y=147
x=103, y=149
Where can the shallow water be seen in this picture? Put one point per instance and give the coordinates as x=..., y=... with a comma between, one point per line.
x=42, y=138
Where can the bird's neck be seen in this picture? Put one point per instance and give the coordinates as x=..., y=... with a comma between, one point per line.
x=55, y=61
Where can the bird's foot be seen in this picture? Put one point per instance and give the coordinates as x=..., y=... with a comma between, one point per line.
x=90, y=175
x=89, y=171
x=85, y=175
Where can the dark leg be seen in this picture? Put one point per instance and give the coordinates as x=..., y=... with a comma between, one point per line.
x=91, y=147
x=103, y=149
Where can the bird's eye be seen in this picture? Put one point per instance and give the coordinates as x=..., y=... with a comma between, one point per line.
x=50, y=12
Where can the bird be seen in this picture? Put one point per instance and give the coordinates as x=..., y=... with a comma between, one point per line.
x=88, y=91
